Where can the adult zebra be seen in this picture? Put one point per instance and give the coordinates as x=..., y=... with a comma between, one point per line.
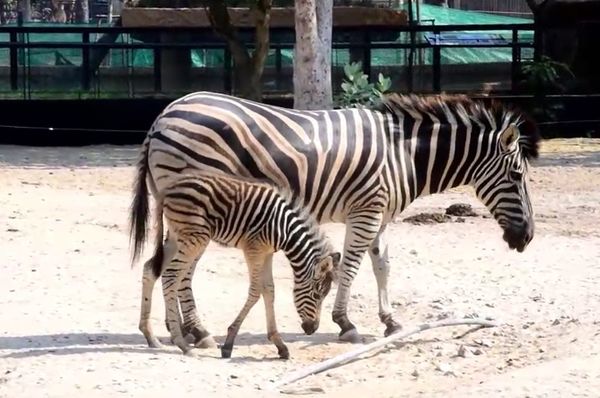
x=357, y=166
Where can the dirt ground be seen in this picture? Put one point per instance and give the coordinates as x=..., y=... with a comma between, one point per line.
x=69, y=300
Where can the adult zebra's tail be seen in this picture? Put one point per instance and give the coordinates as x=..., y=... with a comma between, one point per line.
x=138, y=215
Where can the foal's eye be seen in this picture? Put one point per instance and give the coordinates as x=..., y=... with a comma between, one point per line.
x=516, y=175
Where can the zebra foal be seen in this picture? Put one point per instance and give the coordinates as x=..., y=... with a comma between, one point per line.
x=253, y=216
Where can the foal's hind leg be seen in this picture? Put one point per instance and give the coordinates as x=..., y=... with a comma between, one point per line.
x=189, y=248
x=191, y=319
x=148, y=281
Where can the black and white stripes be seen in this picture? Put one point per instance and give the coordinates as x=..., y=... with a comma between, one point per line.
x=255, y=217
x=361, y=167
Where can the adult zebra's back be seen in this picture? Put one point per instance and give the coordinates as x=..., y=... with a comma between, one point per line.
x=361, y=167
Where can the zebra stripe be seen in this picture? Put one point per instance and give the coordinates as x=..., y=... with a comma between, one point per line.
x=253, y=216
x=361, y=167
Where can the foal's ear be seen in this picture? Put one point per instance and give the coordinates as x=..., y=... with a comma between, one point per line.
x=335, y=258
x=509, y=138
x=323, y=267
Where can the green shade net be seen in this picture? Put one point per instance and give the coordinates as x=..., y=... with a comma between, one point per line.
x=143, y=58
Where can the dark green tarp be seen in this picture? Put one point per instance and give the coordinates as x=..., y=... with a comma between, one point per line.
x=214, y=58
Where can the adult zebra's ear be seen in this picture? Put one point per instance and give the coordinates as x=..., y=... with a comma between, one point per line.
x=509, y=138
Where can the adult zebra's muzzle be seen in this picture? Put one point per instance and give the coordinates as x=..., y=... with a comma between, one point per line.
x=518, y=237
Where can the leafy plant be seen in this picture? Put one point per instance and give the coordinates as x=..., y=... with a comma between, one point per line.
x=546, y=73
x=543, y=77
x=356, y=89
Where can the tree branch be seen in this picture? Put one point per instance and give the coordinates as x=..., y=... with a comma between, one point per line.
x=262, y=18
x=346, y=357
x=218, y=16
x=534, y=6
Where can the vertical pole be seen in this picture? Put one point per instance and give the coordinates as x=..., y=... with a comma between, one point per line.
x=14, y=64
x=411, y=52
x=516, y=55
x=85, y=62
x=228, y=77
x=278, y=68
x=157, y=69
x=367, y=53
x=437, y=66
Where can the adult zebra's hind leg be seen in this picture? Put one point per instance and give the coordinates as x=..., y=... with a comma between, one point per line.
x=361, y=230
x=148, y=282
x=381, y=268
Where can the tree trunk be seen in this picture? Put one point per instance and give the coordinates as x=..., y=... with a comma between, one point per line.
x=82, y=11
x=248, y=68
x=2, y=12
x=324, y=29
x=58, y=11
x=312, y=55
x=24, y=6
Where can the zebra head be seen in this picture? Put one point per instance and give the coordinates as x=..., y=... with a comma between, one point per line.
x=500, y=181
x=309, y=296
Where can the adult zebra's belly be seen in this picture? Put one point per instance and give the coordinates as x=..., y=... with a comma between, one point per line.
x=167, y=164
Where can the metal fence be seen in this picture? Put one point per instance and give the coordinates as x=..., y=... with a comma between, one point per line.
x=117, y=62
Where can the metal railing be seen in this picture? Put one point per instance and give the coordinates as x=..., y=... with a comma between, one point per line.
x=362, y=41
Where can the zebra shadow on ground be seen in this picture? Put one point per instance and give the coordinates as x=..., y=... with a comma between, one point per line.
x=81, y=343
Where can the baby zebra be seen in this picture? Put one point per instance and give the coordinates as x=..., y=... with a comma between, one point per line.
x=253, y=216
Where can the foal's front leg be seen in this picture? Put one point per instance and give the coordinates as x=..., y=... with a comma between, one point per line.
x=255, y=264
x=268, y=293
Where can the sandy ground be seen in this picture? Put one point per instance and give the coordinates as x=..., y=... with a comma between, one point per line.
x=69, y=299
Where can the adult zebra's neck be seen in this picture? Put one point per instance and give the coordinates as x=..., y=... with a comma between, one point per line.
x=435, y=152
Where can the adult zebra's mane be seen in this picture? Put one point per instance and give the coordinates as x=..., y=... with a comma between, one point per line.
x=439, y=105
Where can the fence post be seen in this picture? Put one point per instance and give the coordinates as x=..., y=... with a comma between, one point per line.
x=158, y=69
x=14, y=64
x=437, y=65
x=85, y=62
x=516, y=60
x=367, y=53
x=278, y=67
x=227, y=67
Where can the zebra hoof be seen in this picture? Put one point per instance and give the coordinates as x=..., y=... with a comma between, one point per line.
x=207, y=342
x=226, y=352
x=189, y=338
x=153, y=342
x=391, y=329
x=191, y=353
x=283, y=352
x=350, y=336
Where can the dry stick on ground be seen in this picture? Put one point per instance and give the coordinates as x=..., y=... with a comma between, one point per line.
x=319, y=367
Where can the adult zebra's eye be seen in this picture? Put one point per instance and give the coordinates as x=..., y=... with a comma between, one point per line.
x=516, y=175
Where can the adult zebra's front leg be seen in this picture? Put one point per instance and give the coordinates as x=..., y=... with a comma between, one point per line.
x=381, y=268
x=361, y=230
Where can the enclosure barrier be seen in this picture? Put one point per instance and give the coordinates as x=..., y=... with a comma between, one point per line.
x=122, y=62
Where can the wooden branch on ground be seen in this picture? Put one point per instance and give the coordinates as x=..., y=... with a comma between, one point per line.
x=342, y=358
